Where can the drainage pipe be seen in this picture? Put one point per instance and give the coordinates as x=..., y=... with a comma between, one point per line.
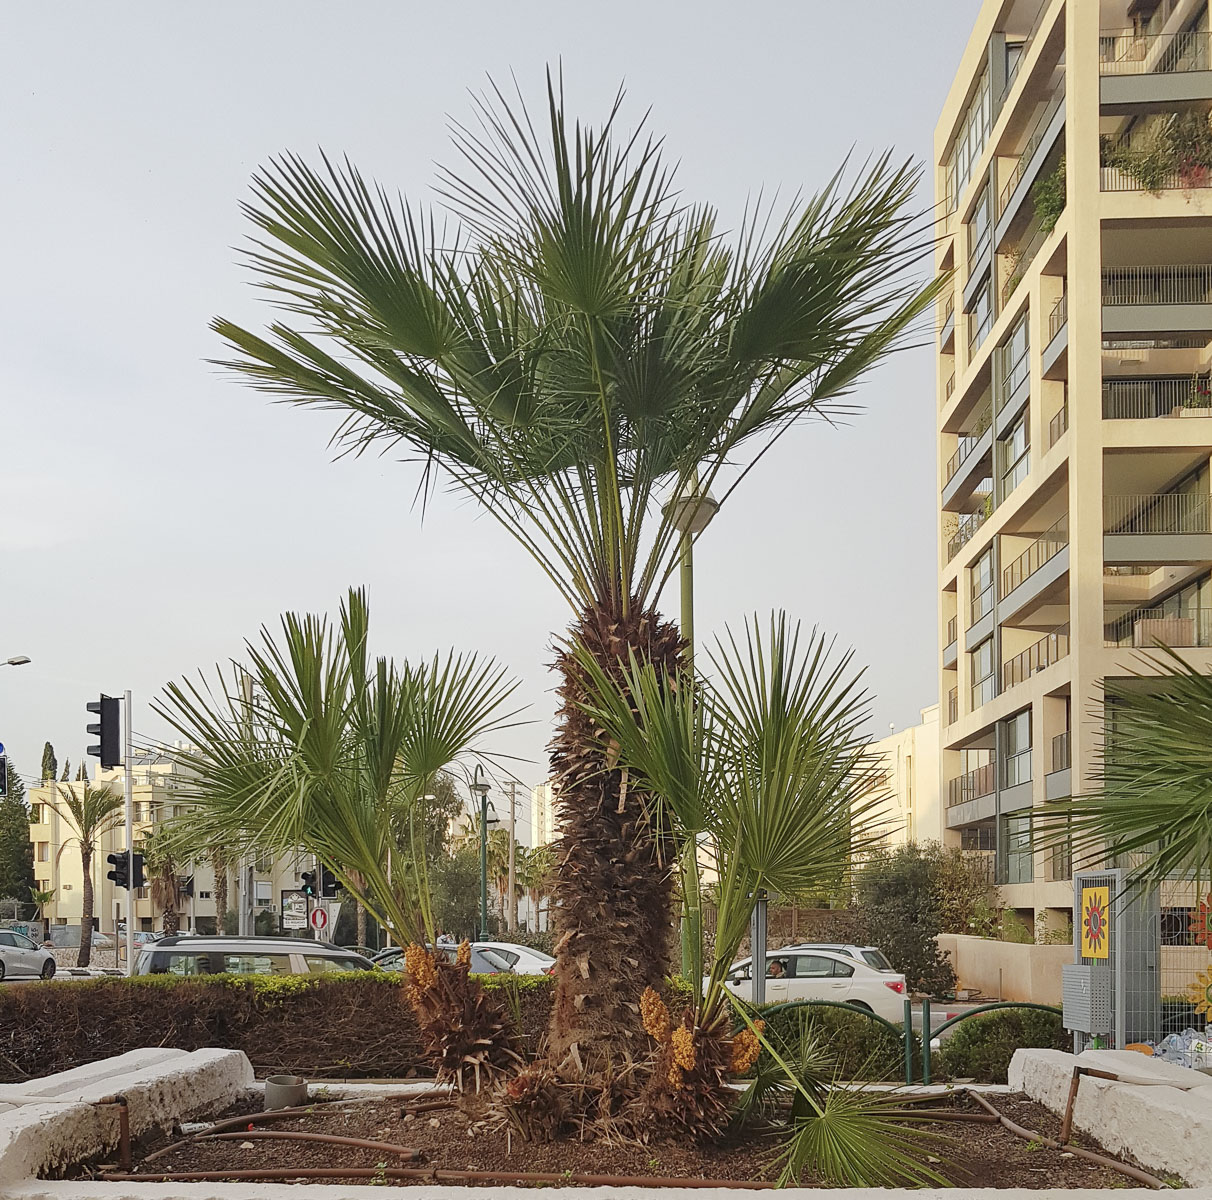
x=119, y=1102
x=301, y=1135
x=1031, y=1135
x=434, y=1175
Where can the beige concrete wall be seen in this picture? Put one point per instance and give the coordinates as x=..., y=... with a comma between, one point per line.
x=1007, y=970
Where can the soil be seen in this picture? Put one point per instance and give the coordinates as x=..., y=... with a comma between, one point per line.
x=969, y=1154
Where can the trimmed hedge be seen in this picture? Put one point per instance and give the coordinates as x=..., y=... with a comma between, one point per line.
x=860, y=1047
x=354, y=1025
x=981, y=1047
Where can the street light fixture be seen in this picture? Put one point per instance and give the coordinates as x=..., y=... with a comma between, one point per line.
x=481, y=787
x=18, y=660
x=691, y=512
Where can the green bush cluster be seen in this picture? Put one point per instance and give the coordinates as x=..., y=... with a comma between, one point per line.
x=861, y=1048
x=981, y=1047
x=1048, y=197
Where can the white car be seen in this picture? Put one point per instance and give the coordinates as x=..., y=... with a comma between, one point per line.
x=522, y=959
x=22, y=958
x=873, y=956
x=823, y=975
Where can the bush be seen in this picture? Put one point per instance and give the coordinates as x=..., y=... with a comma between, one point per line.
x=981, y=1047
x=860, y=1047
x=1048, y=196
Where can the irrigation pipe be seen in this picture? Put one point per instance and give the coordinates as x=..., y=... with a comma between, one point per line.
x=433, y=1175
x=1030, y=1135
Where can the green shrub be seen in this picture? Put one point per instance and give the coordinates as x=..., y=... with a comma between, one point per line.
x=981, y=1047
x=1048, y=196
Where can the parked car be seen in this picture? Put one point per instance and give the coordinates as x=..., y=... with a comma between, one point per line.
x=487, y=958
x=194, y=955
x=23, y=958
x=873, y=956
x=823, y=975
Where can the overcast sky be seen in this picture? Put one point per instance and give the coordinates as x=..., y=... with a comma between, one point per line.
x=154, y=513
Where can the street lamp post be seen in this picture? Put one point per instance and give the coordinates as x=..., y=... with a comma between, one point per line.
x=480, y=786
x=691, y=513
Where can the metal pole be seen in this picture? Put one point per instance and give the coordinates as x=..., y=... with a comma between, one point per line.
x=483, y=866
x=925, y=1039
x=687, y=590
x=128, y=760
x=757, y=949
x=908, y=1041
x=513, y=891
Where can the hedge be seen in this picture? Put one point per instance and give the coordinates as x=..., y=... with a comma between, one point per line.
x=981, y=1047
x=354, y=1025
x=860, y=1048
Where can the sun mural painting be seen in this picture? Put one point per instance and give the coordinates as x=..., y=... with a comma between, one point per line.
x=1096, y=902
x=1200, y=924
x=1200, y=993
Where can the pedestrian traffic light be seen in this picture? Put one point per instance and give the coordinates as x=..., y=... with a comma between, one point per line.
x=309, y=883
x=328, y=883
x=106, y=730
x=122, y=862
x=121, y=869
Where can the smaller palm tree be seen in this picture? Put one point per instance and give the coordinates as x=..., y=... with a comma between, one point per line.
x=536, y=867
x=41, y=900
x=92, y=813
x=161, y=860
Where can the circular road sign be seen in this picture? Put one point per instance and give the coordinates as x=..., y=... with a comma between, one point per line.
x=318, y=919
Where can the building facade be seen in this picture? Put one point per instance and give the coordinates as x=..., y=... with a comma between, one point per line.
x=542, y=815
x=905, y=791
x=1074, y=217
x=254, y=888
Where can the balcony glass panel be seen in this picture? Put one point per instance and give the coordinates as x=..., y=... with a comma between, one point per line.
x=1058, y=318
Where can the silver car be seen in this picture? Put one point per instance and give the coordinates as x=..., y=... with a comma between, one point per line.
x=198, y=955
x=22, y=958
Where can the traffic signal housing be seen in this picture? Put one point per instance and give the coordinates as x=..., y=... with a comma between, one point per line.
x=121, y=863
x=106, y=730
x=309, y=883
x=3, y=777
x=328, y=883
x=186, y=886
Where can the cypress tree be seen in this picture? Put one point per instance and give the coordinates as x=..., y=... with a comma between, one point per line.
x=16, y=849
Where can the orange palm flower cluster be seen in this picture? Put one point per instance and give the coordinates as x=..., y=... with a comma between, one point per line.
x=654, y=1015
x=683, y=1047
x=463, y=954
x=746, y=1046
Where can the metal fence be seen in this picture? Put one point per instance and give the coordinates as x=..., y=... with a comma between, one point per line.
x=1154, y=54
x=1143, y=399
x=1158, y=285
x=1164, y=512
x=1045, y=548
x=1051, y=648
x=972, y=785
x=966, y=529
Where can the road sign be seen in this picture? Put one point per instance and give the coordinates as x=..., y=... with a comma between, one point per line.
x=319, y=919
x=294, y=910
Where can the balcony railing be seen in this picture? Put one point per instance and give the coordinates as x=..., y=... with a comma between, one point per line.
x=972, y=785
x=950, y=388
x=1025, y=48
x=1163, y=512
x=1048, y=650
x=953, y=706
x=969, y=523
x=952, y=630
x=1058, y=318
x=1057, y=426
x=1029, y=148
x=946, y=308
x=1060, y=751
x=1142, y=399
x=1158, y=285
x=981, y=604
x=983, y=690
x=1045, y=548
x=978, y=330
x=1145, y=627
x=967, y=442
x=1159, y=54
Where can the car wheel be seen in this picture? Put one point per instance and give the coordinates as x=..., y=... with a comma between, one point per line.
x=860, y=1004
x=1, y=969
x=48, y=969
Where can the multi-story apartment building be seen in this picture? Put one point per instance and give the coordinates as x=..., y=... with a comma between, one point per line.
x=254, y=888
x=542, y=815
x=904, y=792
x=1074, y=216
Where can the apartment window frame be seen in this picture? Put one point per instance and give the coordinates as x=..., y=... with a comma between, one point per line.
x=984, y=686
x=980, y=232
x=1016, y=852
x=971, y=137
x=1014, y=359
x=978, y=837
x=980, y=316
x=981, y=585
x=42, y=852
x=1016, y=749
x=263, y=893
x=1014, y=453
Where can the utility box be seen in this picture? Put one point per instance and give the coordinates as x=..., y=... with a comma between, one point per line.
x=1086, y=998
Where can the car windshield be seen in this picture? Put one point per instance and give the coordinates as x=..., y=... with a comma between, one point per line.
x=876, y=959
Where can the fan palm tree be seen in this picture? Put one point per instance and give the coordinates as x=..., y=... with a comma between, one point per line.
x=92, y=813
x=582, y=347
x=161, y=859
x=40, y=899
x=535, y=868
x=1152, y=805
x=318, y=746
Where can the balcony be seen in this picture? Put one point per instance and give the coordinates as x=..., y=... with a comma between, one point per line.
x=972, y=785
x=1035, y=150
x=1058, y=318
x=1050, y=649
x=1145, y=399
x=968, y=468
x=1153, y=70
x=946, y=323
x=1166, y=299
x=950, y=647
x=953, y=706
x=1061, y=751
x=1057, y=426
x=1165, y=527
x=949, y=390
x=1143, y=628
x=967, y=526
x=969, y=441
x=1058, y=783
x=1045, y=548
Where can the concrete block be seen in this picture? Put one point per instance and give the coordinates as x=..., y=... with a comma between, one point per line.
x=1167, y=1129
x=69, y=1083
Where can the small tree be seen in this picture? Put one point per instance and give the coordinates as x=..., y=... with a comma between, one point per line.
x=50, y=764
x=899, y=893
x=16, y=850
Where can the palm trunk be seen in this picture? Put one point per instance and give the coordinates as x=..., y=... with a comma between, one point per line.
x=612, y=894
x=219, y=862
x=361, y=920
x=86, y=906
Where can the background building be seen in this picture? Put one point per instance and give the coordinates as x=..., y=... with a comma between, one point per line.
x=1074, y=427
x=542, y=815
x=907, y=789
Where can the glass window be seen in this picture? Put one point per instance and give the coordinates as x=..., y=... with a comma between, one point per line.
x=256, y=964
x=877, y=959
x=970, y=137
x=982, y=673
x=980, y=317
x=1016, y=843
x=488, y=962
x=44, y=851
x=980, y=581
x=815, y=966
x=263, y=890
x=6, y=939
x=979, y=232
x=319, y=964
x=22, y=942
x=1014, y=452
x=1016, y=749
x=1015, y=361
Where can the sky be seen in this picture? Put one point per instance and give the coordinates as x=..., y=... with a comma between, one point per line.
x=154, y=513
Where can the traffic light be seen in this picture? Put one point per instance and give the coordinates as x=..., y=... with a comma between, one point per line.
x=3, y=777
x=309, y=883
x=121, y=868
x=107, y=730
x=328, y=883
x=121, y=862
